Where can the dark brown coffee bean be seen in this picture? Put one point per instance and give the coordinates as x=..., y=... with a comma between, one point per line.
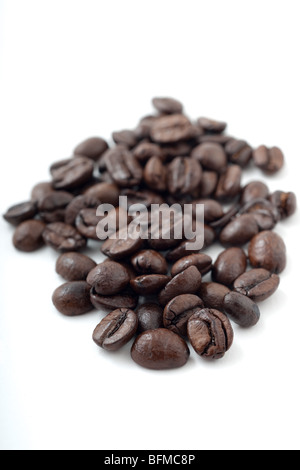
x=20, y=212
x=63, y=237
x=121, y=246
x=184, y=249
x=71, y=173
x=201, y=261
x=167, y=105
x=126, y=137
x=257, y=284
x=286, y=203
x=239, y=231
x=183, y=176
x=73, y=298
x=86, y=223
x=227, y=217
x=149, y=262
x=171, y=129
x=41, y=190
x=221, y=139
x=178, y=311
x=210, y=333
x=107, y=193
x=92, y=148
x=149, y=284
x=52, y=208
x=238, y=152
x=144, y=127
x=109, y=278
x=150, y=317
x=29, y=235
x=212, y=209
x=74, y=266
x=208, y=184
x=179, y=149
x=210, y=125
x=159, y=350
x=211, y=156
x=76, y=205
x=267, y=250
x=186, y=282
x=213, y=294
x=242, y=310
x=270, y=160
x=265, y=213
x=229, y=265
x=254, y=190
x=155, y=174
x=146, y=150
x=126, y=299
x=116, y=329
x=229, y=185
x=145, y=197
x=123, y=167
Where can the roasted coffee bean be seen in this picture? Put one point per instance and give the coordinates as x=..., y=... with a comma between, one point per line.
x=74, y=266
x=145, y=197
x=186, y=282
x=109, y=278
x=165, y=231
x=86, y=223
x=172, y=129
x=150, y=317
x=254, y=190
x=155, y=174
x=257, y=284
x=212, y=209
x=286, y=203
x=241, y=309
x=107, y=193
x=121, y=246
x=227, y=217
x=52, y=208
x=229, y=265
x=270, y=160
x=267, y=250
x=238, y=152
x=71, y=173
x=183, y=176
x=116, y=329
x=265, y=213
x=178, y=311
x=73, y=298
x=41, y=190
x=144, y=127
x=208, y=184
x=184, y=248
x=210, y=333
x=159, y=350
x=201, y=261
x=210, y=125
x=149, y=284
x=126, y=137
x=63, y=237
x=29, y=235
x=126, y=299
x=123, y=167
x=239, y=231
x=146, y=150
x=211, y=156
x=76, y=205
x=167, y=105
x=20, y=212
x=213, y=294
x=179, y=149
x=92, y=148
x=149, y=262
x=229, y=184
x=221, y=139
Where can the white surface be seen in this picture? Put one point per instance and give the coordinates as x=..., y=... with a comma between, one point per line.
x=73, y=69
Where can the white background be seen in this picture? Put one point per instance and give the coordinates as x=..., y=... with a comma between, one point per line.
x=74, y=69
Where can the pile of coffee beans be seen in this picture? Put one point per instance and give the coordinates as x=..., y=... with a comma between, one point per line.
x=154, y=289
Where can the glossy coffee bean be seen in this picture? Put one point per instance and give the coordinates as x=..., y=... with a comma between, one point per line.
x=63, y=237
x=229, y=184
x=257, y=284
x=229, y=265
x=286, y=203
x=126, y=299
x=29, y=235
x=145, y=197
x=241, y=309
x=159, y=350
x=92, y=147
x=186, y=282
x=144, y=151
x=171, y=129
x=116, y=329
x=208, y=184
x=211, y=156
x=71, y=173
x=20, y=212
x=264, y=212
x=239, y=152
x=74, y=266
x=121, y=246
x=184, y=248
x=201, y=261
x=76, y=205
x=150, y=317
x=73, y=298
x=52, y=208
x=167, y=105
x=126, y=137
x=107, y=193
x=213, y=210
x=239, y=231
x=178, y=149
x=267, y=250
x=178, y=311
x=149, y=284
x=254, y=190
x=211, y=125
x=270, y=160
x=213, y=294
x=149, y=262
x=155, y=174
x=41, y=190
x=86, y=223
x=123, y=167
x=109, y=278
x=210, y=333
x=183, y=176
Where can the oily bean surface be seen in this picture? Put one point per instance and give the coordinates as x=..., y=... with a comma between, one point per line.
x=257, y=284
x=150, y=317
x=178, y=311
x=73, y=298
x=74, y=266
x=93, y=148
x=229, y=265
x=116, y=329
x=201, y=261
x=186, y=282
x=69, y=174
x=28, y=235
x=149, y=262
x=18, y=213
x=241, y=309
x=127, y=299
x=213, y=294
x=267, y=250
x=63, y=237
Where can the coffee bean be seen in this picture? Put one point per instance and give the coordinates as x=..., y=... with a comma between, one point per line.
x=149, y=262
x=238, y=152
x=178, y=311
x=116, y=329
x=71, y=173
x=183, y=176
x=86, y=223
x=155, y=174
x=145, y=197
x=241, y=309
x=229, y=265
x=201, y=261
x=73, y=298
x=221, y=139
x=159, y=350
x=167, y=105
x=63, y=237
x=29, y=235
x=74, y=266
x=144, y=127
x=213, y=294
x=210, y=333
x=267, y=250
x=212, y=209
x=286, y=203
x=270, y=160
x=254, y=190
x=107, y=193
x=208, y=184
x=186, y=282
x=123, y=167
x=239, y=231
x=211, y=156
x=52, y=208
x=210, y=125
x=149, y=284
x=227, y=217
x=171, y=129
x=121, y=246
x=257, y=284
x=178, y=149
x=126, y=299
x=229, y=184
x=146, y=150
x=20, y=212
x=76, y=205
x=41, y=190
x=264, y=212
x=92, y=148
x=126, y=137
x=150, y=317
x=109, y=278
